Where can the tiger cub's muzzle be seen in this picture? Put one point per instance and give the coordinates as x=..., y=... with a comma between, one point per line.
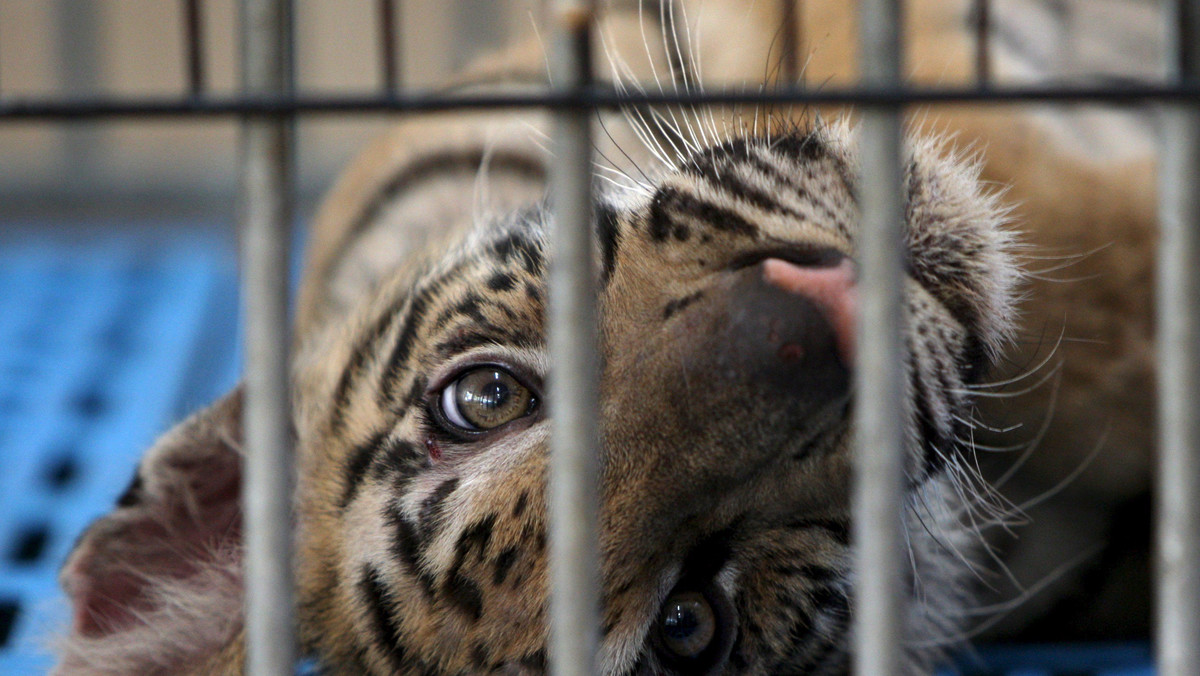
x=752, y=371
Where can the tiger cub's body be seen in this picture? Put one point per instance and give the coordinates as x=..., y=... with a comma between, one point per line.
x=726, y=277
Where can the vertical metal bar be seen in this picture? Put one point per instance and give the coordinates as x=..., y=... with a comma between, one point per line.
x=983, y=34
x=575, y=382
x=80, y=68
x=880, y=415
x=1178, y=633
x=265, y=224
x=389, y=43
x=194, y=37
x=790, y=41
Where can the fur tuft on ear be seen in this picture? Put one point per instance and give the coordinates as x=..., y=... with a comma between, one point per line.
x=156, y=585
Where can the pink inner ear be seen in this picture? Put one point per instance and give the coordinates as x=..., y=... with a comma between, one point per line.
x=184, y=516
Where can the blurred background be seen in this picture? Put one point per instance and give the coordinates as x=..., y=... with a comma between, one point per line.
x=136, y=48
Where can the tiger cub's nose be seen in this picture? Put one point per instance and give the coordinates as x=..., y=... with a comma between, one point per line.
x=830, y=288
x=791, y=327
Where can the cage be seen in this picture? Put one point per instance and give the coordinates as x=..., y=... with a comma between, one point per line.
x=143, y=319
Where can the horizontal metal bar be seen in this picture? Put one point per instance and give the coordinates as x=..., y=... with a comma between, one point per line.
x=16, y=110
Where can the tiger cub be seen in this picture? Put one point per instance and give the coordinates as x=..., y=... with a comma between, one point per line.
x=726, y=273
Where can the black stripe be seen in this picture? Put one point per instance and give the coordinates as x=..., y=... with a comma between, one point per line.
x=519, y=246
x=464, y=593
x=809, y=148
x=458, y=588
x=419, y=305
x=363, y=349
x=398, y=459
x=670, y=200
x=828, y=651
x=801, y=147
x=680, y=303
x=356, y=467
x=800, y=630
x=379, y=603
x=937, y=442
x=431, y=507
x=817, y=201
x=501, y=281
x=469, y=307
x=608, y=236
x=838, y=530
x=415, y=392
x=475, y=538
x=407, y=546
x=488, y=334
x=704, y=166
x=535, y=661
x=503, y=563
x=432, y=166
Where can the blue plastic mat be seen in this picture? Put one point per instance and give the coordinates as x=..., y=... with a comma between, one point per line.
x=1115, y=659
x=102, y=346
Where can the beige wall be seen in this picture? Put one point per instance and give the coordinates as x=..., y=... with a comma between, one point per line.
x=131, y=48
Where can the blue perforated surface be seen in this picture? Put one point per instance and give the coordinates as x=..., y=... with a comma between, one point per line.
x=1114, y=659
x=103, y=344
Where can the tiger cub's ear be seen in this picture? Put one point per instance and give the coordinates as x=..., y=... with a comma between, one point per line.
x=156, y=585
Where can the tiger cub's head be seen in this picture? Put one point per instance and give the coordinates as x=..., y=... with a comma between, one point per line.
x=726, y=309
x=727, y=305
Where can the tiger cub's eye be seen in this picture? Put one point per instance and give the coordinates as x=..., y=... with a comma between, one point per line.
x=687, y=624
x=485, y=398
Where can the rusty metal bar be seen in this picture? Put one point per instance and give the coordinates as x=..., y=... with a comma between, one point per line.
x=575, y=380
x=266, y=148
x=1178, y=499
x=194, y=40
x=389, y=43
x=879, y=417
x=1113, y=94
x=790, y=41
x=983, y=37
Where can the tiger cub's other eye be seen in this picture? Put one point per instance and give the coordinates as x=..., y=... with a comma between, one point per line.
x=687, y=624
x=485, y=398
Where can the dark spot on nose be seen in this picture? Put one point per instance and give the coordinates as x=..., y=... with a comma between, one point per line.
x=790, y=353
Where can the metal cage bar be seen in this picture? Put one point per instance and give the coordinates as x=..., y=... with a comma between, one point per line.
x=880, y=612
x=575, y=381
x=388, y=13
x=790, y=42
x=193, y=35
x=983, y=34
x=1178, y=535
x=879, y=415
x=265, y=222
x=593, y=97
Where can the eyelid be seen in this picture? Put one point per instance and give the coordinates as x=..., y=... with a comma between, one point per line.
x=525, y=372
